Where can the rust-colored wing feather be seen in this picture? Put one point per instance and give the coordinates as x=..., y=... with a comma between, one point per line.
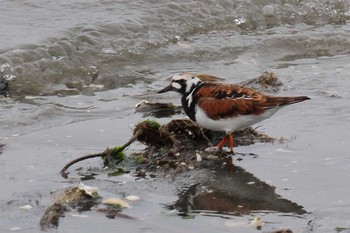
x=224, y=108
x=222, y=90
x=220, y=100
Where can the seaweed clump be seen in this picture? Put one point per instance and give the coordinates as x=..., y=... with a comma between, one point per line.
x=182, y=145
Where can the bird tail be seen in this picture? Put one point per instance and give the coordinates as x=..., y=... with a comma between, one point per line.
x=282, y=101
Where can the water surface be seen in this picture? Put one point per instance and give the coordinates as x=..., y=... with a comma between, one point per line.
x=76, y=68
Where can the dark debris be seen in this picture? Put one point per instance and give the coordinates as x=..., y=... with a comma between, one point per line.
x=267, y=82
x=3, y=85
x=51, y=217
x=178, y=144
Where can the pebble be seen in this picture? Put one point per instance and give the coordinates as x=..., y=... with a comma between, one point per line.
x=26, y=207
x=132, y=198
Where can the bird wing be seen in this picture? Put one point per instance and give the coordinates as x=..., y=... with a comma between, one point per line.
x=224, y=108
x=225, y=91
x=221, y=100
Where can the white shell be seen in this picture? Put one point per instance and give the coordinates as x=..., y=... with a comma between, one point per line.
x=199, y=157
x=132, y=198
x=257, y=222
x=26, y=207
x=116, y=201
x=91, y=191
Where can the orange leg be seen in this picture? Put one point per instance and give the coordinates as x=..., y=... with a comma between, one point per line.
x=223, y=142
x=231, y=143
x=228, y=138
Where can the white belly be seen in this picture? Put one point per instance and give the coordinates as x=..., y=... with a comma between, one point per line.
x=231, y=124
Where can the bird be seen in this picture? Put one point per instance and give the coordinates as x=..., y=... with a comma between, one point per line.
x=224, y=107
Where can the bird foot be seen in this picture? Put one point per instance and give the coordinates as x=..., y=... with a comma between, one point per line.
x=231, y=152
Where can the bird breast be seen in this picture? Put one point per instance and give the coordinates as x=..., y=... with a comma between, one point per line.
x=231, y=124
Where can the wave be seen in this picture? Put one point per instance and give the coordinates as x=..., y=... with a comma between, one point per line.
x=125, y=48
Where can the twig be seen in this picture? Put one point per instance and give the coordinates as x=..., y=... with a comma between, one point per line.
x=63, y=172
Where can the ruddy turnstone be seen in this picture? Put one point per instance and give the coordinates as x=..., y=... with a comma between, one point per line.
x=225, y=107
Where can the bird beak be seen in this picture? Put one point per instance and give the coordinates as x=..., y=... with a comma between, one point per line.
x=166, y=89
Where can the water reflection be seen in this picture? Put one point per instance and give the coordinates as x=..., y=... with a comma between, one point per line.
x=234, y=193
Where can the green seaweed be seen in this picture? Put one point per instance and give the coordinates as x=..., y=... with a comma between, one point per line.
x=152, y=124
x=117, y=152
x=114, y=156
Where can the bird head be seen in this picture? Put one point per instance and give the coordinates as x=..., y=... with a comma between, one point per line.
x=183, y=83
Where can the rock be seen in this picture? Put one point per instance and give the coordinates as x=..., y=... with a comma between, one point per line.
x=132, y=198
x=90, y=191
x=267, y=82
x=51, y=216
x=26, y=207
x=3, y=85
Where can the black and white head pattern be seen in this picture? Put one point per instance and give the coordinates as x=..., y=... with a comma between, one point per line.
x=184, y=83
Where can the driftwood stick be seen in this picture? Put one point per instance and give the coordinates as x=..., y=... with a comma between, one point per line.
x=63, y=172
x=64, y=169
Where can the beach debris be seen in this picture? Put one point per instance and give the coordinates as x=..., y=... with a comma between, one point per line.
x=90, y=191
x=239, y=21
x=71, y=195
x=79, y=215
x=51, y=217
x=132, y=198
x=257, y=222
x=111, y=213
x=158, y=110
x=116, y=202
x=282, y=231
x=198, y=157
x=26, y=207
x=268, y=82
x=171, y=145
x=82, y=198
x=114, y=156
x=111, y=156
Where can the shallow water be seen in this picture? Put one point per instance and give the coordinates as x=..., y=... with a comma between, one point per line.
x=75, y=69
